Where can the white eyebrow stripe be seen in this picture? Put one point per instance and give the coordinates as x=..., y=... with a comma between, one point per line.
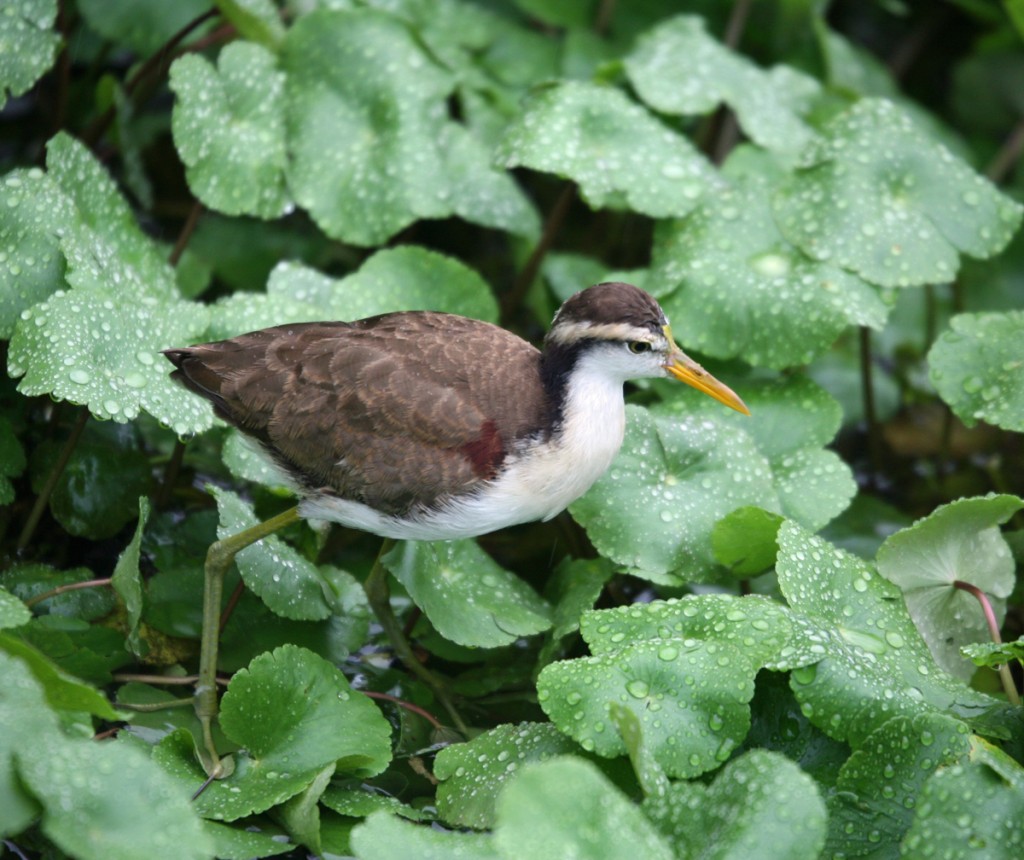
x=566, y=333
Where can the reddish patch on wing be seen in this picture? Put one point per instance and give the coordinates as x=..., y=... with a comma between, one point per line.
x=486, y=452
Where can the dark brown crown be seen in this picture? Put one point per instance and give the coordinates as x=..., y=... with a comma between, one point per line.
x=611, y=303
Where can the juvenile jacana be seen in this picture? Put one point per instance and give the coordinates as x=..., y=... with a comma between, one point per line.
x=430, y=426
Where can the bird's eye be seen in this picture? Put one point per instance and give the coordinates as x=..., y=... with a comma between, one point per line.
x=639, y=346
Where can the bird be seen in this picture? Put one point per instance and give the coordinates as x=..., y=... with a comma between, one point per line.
x=431, y=426
x=419, y=425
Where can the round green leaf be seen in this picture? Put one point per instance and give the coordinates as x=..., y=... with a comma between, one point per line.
x=282, y=578
x=234, y=843
x=394, y=279
x=229, y=129
x=468, y=598
x=690, y=696
x=875, y=664
x=384, y=836
x=473, y=774
x=960, y=541
x=878, y=197
x=678, y=68
x=29, y=580
x=27, y=721
x=674, y=478
x=618, y=153
x=760, y=805
x=365, y=107
x=972, y=809
x=879, y=785
x=294, y=711
x=13, y=613
x=34, y=211
x=105, y=248
x=143, y=25
x=744, y=541
x=783, y=308
x=791, y=419
x=256, y=20
x=566, y=808
x=362, y=802
x=108, y=801
x=766, y=632
x=977, y=368
x=28, y=45
x=84, y=347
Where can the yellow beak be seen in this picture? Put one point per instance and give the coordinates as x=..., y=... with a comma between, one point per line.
x=685, y=369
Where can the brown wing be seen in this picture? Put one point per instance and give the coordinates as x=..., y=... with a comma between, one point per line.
x=393, y=411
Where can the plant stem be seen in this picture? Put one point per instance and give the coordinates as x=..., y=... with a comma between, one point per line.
x=993, y=629
x=152, y=707
x=868, y=393
x=188, y=228
x=737, y=23
x=51, y=480
x=409, y=706
x=603, y=18
x=171, y=471
x=218, y=559
x=379, y=596
x=1008, y=154
x=61, y=589
x=552, y=226
x=159, y=60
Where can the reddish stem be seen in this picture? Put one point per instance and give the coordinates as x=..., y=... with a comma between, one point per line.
x=409, y=706
x=993, y=628
x=60, y=589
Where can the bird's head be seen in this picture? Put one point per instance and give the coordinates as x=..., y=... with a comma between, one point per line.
x=625, y=329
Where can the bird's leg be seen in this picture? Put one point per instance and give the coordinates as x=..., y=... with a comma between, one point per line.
x=379, y=596
x=218, y=559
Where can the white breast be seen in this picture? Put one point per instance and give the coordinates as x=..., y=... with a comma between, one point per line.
x=536, y=485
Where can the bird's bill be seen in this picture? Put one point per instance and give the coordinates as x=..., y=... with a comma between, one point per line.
x=685, y=369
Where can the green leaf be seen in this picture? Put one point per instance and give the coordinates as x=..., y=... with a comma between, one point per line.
x=104, y=246
x=276, y=572
x=319, y=718
x=768, y=633
x=677, y=68
x=976, y=368
x=63, y=692
x=784, y=308
x=229, y=129
x=653, y=511
x=12, y=460
x=142, y=25
x=28, y=45
x=234, y=843
x=294, y=714
x=994, y=654
x=972, y=809
x=384, y=836
x=30, y=580
x=468, y=598
x=127, y=580
x=879, y=787
x=246, y=461
x=961, y=542
x=84, y=347
x=744, y=541
x=87, y=651
x=364, y=154
x=876, y=665
x=405, y=278
x=618, y=153
x=911, y=206
x=27, y=720
x=565, y=808
x=361, y=803
x=300, y=815
x=760, y=805
x=256, y=20
x=691, y=698
x=473, y=774
x=13, y=613
x=573, y=588
x=34, y=211
x=792, y=419
x=108, y=801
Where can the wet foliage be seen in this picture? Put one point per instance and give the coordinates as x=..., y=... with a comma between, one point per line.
x=797, y=634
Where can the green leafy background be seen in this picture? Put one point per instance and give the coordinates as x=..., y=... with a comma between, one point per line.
x=754, y=636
